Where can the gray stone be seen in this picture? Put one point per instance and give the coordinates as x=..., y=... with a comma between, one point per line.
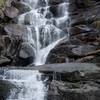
x=16, y=30
x=26, y=51
x=83, y=50
x=11, y=12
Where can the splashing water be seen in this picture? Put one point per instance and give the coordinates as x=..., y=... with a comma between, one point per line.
x=44, y=32
x=28, y=83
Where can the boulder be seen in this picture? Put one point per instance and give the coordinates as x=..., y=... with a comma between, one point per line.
x=26, y=55
x=5, y=87
x=15, y=29
x=59, y=54
x=11, y=12
x=26, y=51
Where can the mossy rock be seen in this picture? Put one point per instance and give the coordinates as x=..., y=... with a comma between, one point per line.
x=2, y=4
x=96, y=24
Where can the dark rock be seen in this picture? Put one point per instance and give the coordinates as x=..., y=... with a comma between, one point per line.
x=79, y=29
x=4, y=61
x=55, y=2
x=89, y=37
x=77, y=92
x=23, y=61
x=59, y=54
x=26, y=55
x=26, y=51
x=86, y=59
x=5, y=88
x=2, y=32
x=83, y=50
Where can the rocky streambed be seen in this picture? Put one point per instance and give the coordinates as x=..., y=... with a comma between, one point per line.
x=62, y=81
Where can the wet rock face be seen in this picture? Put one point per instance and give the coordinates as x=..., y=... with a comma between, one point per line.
x=84, y=44
x=73, y=82
x=83, y=26
x=26, y=55
x=5, y=87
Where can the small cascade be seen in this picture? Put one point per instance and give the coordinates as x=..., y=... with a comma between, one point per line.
x=28, y=85
x=44, y=29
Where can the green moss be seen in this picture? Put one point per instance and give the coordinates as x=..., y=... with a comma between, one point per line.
x=2, y=3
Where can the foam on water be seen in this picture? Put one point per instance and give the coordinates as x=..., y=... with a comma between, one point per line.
x=46, y=35
x=28, y=83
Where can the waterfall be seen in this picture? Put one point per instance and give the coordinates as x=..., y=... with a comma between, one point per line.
x=47, y=28
x=29, y=85
x=44, y=32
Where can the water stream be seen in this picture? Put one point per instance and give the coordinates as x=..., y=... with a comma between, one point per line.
x=44, y=28
x=45, y=31
x=27, y=85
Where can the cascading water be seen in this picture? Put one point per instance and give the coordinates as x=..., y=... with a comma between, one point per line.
x=44, y=31
x=47, y=32
x=28, y=85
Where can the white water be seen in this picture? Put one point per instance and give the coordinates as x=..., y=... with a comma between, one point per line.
x=28, y=83
x=44, y=33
